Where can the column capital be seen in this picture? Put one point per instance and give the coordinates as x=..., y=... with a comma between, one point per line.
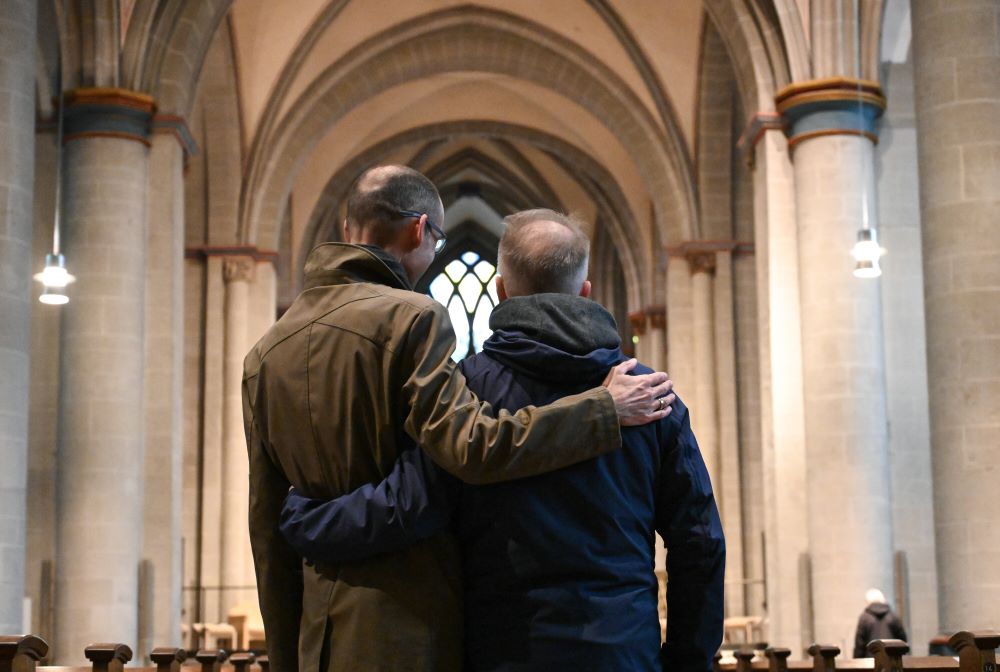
x=176, y=126
x=238, y=268
x=252, y=251
x=657, y=316
x=756, y=127
x=701, y=262
x=830, y=106
x=650, y=317
x=637, y=320
x=107, y=112
x=688, y=248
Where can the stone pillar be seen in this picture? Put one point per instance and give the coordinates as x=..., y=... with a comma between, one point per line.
x=907, y=387
x=164, y=380
x=679, y=336
x=263, y=299
x=656, y=318
x=208, y=571
x=237, y=565
x=956, y=49
x=637, y=323
x=17, y=161
x=43, y=414
x=101, y=428
x=704, y=409
x=849, y=505
x=728, y=488
x=782, y=415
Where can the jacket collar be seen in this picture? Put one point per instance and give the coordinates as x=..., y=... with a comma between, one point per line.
x=340, y=263
x=555, y=337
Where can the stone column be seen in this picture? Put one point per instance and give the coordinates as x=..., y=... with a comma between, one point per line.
x=782, y=415
x=101, y=428
x=680, y=344
x=637, y=323
x=237, y=565
x=704, y=409
x=728, y=488
x=263, y=299
x=849, y=507
x=656, y=336
x=211, y=408
x=164, y=379
x=956, y=49
x=17, y=161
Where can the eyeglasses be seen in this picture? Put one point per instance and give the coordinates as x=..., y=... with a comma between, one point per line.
x=441, y=238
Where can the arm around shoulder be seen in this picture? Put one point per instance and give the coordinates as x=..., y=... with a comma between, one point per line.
x=460, y=432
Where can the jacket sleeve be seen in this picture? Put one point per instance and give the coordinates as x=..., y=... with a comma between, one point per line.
x=413, y=503
x=460, y=432
x=861, y=638
x=688, y=520
x=278, y=567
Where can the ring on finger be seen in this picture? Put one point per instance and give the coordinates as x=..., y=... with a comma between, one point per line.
x=663, y=403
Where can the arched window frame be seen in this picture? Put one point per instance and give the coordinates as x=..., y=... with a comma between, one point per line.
x=468, y=236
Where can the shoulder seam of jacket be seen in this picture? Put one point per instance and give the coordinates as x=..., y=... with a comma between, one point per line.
x=383, y=346
x=309, y=405
x=309, y=325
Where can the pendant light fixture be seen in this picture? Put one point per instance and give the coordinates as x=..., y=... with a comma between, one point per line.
x=54, y=277
x=866, y=250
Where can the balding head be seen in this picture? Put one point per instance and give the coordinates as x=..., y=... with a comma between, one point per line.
x=543, y=251
x=376, y=198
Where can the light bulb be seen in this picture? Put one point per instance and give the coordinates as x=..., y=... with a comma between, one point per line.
x=54, y=296
x=867, y=247
x=867, y=269
x=54, y=274
x=866, y=253
x=54, y=278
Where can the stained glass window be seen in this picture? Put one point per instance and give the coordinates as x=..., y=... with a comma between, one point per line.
x=466, y=288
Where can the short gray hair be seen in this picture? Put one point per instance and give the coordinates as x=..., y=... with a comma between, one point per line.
x=543, y=251
x=381, y=192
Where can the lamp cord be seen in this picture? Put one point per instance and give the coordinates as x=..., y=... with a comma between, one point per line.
x=59, y=142
x=861, y=116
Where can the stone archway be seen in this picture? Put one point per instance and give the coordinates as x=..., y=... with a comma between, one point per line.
x=469, y=40
x=596, y=180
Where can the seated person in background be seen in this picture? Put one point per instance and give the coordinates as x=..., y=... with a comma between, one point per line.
x=877, y=621
x=557, y=569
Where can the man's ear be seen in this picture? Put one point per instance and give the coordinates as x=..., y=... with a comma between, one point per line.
x=414, y=233
x=501, y=291
x=347, y=232
x=585, y=289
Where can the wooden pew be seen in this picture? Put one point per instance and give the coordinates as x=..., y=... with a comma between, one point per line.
x=976, y=650
x=108, y=657
x=889, y=657
x=241, y=662
x=21, y=653
x=211, y=659
x=168, y=659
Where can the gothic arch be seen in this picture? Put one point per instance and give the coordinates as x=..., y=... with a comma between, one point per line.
x=530, y=195
x=478, y=40
x=587, y=171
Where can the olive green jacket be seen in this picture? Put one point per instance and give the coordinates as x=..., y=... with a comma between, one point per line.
x=330, y=394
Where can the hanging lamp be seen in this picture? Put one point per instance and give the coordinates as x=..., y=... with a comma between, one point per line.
x=54, y=277
x=866, y=250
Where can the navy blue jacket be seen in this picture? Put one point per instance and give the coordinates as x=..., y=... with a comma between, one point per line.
x=558, y=569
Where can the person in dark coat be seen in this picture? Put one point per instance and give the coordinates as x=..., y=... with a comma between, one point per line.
x=877, y=621
x=558, y=569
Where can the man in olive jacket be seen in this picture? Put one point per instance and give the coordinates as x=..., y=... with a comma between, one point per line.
x=356, y=371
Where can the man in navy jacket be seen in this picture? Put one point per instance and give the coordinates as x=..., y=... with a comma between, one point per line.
x=558, y=569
